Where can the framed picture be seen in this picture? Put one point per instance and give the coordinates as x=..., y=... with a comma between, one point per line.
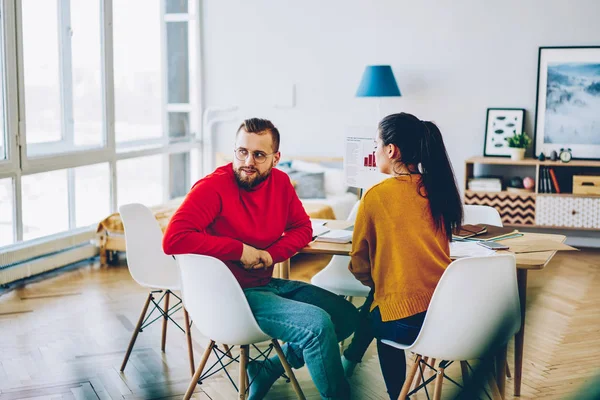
x=568, y=101
x=500, y=124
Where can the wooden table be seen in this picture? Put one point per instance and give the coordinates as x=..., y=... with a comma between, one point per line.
x=525, y=262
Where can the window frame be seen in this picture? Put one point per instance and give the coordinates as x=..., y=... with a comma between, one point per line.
x=19, y=164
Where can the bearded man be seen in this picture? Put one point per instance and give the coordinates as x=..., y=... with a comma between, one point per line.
x=248, y=215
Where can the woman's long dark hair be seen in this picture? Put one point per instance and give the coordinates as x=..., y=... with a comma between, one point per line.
x=420, y=143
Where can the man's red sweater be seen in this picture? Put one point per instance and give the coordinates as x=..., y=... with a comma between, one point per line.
x=217, y=217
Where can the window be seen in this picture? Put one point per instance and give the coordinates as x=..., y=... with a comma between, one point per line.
x=6, y=212
x=45, y=204
x=111, y=110
x=41, y=71
x=177, y=6
x=138, y=70
x=3, y=136
x=62, y=73
x=140, y=180
x=87, y=73
x=92, y=194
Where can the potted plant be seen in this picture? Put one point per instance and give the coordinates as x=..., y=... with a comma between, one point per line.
x=518, y=144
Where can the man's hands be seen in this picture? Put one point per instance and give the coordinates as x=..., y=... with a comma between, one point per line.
x=253, y=258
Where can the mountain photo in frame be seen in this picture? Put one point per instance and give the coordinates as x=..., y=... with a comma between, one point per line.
x=568, y=101
x=501, y=123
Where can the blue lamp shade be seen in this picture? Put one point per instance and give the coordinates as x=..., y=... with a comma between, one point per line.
x=378, y=81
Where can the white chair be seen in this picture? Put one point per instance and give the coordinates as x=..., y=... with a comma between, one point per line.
x=336, y=277
x=481, y=215
x=151, y=267
x=217, y=304
x=474, y=214
x=473, y=313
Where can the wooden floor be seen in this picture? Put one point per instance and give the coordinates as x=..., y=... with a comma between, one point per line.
x=64, y=337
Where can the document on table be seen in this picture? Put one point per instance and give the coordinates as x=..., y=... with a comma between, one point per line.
x=336, y=236
x=469, y=249
x=319, y=230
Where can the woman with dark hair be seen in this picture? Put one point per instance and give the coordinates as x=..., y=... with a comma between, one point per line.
x=402, y=233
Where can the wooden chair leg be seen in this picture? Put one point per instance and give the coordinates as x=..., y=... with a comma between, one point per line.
x=227, y=350
x=431, y=373
x=288, y=370
x=163, y=341
x=342, y=346
x=243, y=364
x=464, y=368
x=439, y=380
x=410, y=377
x=198, y=372
x=420, y=374
x=188, y=335
x=494, y=388
x=508, y=370
x=136, y=331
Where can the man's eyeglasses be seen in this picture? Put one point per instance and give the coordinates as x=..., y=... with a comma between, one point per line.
x=259, y=156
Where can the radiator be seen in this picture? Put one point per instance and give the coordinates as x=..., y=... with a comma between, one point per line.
x=30, y=258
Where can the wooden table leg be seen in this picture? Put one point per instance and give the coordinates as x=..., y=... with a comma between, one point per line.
x=284, y=269
x=520, y=336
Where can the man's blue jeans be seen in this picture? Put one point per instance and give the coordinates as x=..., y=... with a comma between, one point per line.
x=311, y=321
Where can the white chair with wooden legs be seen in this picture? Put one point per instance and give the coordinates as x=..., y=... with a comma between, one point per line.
x=474, y=214
x=473, y=314
x=336, y=277
x=220, y=311
x=152, y=268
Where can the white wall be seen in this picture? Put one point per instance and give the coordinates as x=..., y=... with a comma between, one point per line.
x=452, y=60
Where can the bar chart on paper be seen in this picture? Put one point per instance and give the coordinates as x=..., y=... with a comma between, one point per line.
x=360, y=167
x=370, y=160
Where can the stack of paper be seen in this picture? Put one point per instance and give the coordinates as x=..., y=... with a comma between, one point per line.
x=335, y=236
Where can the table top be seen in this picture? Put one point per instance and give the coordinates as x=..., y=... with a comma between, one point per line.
x=536, y=260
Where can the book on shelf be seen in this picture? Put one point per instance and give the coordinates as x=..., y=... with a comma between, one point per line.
x=485, y=184
x=554, y=180
x=542, y=182
x=548, y=183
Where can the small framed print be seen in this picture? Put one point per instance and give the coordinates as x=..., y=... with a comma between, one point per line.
x=502, y=123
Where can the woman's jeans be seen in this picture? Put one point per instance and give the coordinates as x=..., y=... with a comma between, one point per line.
x=312, y=321
x=391, y=359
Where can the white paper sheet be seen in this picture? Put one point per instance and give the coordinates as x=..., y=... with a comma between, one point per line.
x=319, y=230
x=469, y=249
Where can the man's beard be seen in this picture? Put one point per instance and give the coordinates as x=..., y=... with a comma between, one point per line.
x=248, y=183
